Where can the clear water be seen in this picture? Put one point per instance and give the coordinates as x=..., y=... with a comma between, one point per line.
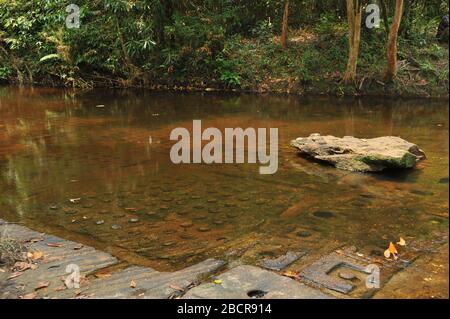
x=56, y=145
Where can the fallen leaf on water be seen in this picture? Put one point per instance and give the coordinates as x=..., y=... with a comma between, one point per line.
x=218, y=282
x=2, y=270
x=133, y=284
x=75, y=200
x=42, y=285
x=175, y=287
x=60, y=288
x=30, y=296
x=100, y=275
x=78, y=247
x=55, y=244
x=401, y=242
x=387, y=253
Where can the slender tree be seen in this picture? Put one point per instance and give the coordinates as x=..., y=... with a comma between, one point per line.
x=391, y=70
x=354, y=15
x=284, y=28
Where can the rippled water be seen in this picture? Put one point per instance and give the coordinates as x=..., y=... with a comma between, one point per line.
x=56, y=145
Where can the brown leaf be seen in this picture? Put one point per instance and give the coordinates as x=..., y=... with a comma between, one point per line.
x=175, y=287
x=60, y=288
x=133, y=284
x=102, y=275
x=55, y=244
x=42, y=285
x=37, y=255
x=292, y=274
x=14, y=275
x=30, y=296
x=21, y=266
x=78, y=247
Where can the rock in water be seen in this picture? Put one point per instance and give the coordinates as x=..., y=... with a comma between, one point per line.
x=361, y=155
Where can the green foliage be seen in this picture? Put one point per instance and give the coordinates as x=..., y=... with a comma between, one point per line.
x=225, y=69
x=5, y=72
x=231, y=43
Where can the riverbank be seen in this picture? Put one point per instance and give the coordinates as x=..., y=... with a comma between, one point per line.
x=312, y=64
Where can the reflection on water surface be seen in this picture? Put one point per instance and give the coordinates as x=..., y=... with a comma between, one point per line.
x=56, y=146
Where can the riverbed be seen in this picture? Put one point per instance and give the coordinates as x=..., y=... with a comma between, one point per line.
x=94, y=167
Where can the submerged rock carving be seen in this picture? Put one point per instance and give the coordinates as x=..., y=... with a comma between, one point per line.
x=361, y=155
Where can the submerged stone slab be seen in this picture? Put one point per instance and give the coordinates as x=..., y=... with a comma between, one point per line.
x=283, y=261
x=149, y=283
x=318, y=273
x=245, y=282
x=360, y=155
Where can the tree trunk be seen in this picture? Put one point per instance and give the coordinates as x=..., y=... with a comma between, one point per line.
x=391, y=71
x=284, y=29
x=354, y=15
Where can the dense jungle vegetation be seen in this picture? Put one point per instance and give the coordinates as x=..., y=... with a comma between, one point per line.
x=299, y=46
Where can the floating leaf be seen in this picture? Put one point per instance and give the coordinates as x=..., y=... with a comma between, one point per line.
x=218, y=282
x=133, y=284
x=387, y=253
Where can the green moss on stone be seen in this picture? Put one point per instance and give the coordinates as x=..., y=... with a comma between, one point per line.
x=407, y=161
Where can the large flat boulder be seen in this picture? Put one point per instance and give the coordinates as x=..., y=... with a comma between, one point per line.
x=360, y=155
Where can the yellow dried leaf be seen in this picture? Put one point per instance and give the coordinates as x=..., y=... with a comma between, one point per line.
x=401, y=242
x=218, y=281
x=133, y=284
x=292, y=274
x=37, y=255
x=387, y=253
x=392, y=249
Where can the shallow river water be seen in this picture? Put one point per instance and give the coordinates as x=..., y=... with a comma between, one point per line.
x=57, y=145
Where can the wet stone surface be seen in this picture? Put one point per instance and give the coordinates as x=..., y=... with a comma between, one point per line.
x=319, y=272
x=283, y=261
x=247, y=282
